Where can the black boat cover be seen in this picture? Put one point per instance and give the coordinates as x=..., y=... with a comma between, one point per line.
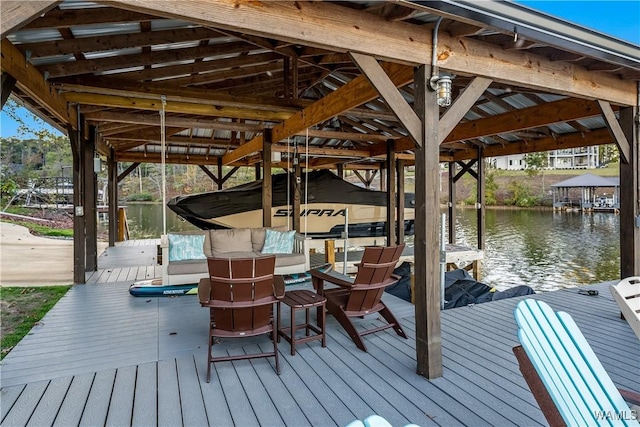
x=323, y=187
x=460, y=288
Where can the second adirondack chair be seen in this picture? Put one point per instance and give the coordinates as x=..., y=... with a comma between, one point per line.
x=564, y=374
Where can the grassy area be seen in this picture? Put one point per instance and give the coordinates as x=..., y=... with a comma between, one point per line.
x=21, y=308
x=58, y=223
x=42, y=230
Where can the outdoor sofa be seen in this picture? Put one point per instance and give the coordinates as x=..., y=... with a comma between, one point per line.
x=184, y=254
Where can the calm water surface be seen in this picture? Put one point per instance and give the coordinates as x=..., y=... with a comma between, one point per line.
x=543, y=249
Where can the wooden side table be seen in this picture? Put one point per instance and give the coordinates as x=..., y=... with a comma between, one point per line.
x=303, y=299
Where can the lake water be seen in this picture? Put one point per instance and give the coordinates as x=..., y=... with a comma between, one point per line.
x=543, y=249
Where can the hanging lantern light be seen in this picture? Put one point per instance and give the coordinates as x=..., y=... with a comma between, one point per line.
x=444, y=91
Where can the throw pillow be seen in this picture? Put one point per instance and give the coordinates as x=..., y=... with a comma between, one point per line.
x=277, y=242
x=186, y=246
x=231, y=240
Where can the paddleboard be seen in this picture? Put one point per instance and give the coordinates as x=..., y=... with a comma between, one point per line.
x=155, y=288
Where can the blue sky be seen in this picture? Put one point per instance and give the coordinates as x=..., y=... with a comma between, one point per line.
x=617, y=18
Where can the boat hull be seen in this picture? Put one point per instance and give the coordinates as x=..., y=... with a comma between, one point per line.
x=331, y=204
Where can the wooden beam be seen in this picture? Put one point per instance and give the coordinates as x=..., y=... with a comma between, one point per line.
x=346, y=136
x=321, y=151
x=630, y=197
x=66, y=18
x=392, y=232
x=253, y=146
x=130, y=169
x=79, y=258
x=556, y=142
x=174, y=106
x=112, y=186
x=330, y=26
x=154, y=120
x=525, y=118
x=8, y=83
x=33, y=83
x=616, y=131
x=127, y=88
x=145, y=59
x=355, y=93
x=90, y=191
x=172, y=158
x=210, y=174
x=391, y=95
x=427, y=219
x=103, y=43
x=462, y=105
x=16, y=14
x=401, y=199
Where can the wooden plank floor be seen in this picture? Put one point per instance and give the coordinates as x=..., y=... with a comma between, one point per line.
x=103, y=357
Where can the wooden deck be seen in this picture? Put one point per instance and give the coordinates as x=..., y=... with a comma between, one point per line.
x=103, y=357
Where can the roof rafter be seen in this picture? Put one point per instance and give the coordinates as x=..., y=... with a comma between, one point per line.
x=396, y=41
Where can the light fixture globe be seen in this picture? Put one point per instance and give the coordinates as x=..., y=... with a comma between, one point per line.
x=444, y=91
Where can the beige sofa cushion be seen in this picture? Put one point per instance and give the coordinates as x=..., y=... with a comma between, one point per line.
x=191, y=266
x=232, y=240
x=236, y=255
x=258, y=236
x=285, y=260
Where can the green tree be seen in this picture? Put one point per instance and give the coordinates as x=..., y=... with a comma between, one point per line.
x=521, y=195
x=608, y=153
x=536, y=163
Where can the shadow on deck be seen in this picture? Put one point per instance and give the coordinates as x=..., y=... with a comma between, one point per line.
x=103, y=357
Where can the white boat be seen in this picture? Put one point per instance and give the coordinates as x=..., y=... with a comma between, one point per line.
x=330, y=203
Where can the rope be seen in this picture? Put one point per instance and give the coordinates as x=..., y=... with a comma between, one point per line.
x=306, y=182
x=163, y=155
x=288, y=187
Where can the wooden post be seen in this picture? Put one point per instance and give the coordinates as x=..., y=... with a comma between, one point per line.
x=330, y=252
x=90, y=203
x=480, y=214
x=392, y=236
x=401, y=201
x=219, y=181
x=79, y=259
x=267, y=191
x=630, y=196
x=286, y=77
x=452, y=203
x=123, y=225
x=8, y=83
x=294, y=78
x=427, y=271
x=112, y=186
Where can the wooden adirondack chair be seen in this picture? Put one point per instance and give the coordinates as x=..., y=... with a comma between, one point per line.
x=627, y=295
x=240, y=294
x=564, y=374
x=362, y=296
